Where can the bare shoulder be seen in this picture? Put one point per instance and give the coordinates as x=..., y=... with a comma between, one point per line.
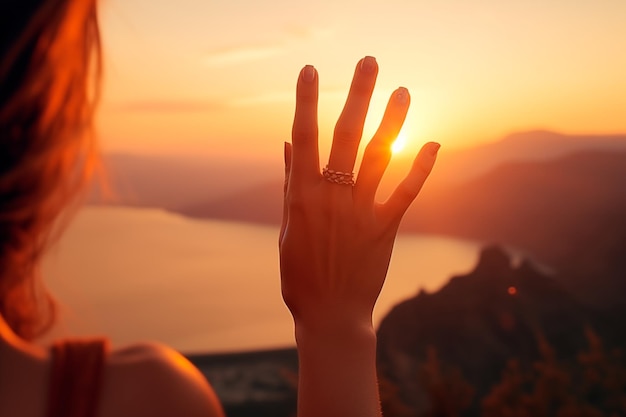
x=153, y=380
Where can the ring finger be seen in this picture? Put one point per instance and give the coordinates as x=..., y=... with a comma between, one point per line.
x=378, y=151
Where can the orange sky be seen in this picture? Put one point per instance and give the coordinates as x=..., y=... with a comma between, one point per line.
x=192, y=76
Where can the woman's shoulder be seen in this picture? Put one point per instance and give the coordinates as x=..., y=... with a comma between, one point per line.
x=150, y=379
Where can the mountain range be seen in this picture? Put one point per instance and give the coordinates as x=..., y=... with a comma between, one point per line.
x=568, y=213
x=215, y=187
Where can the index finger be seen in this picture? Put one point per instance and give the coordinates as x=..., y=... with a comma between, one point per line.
x=304, y=134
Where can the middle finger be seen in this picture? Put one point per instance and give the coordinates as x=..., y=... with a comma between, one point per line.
x=349, y=128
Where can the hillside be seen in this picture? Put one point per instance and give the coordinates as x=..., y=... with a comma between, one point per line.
x=176, y=182
x=479, y=321
x=536, y=145
x=569, y=213
x=257, y=204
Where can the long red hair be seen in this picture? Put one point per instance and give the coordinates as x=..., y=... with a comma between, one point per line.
x=49, y=72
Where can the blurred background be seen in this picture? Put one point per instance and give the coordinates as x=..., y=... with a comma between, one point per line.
x=525, y=208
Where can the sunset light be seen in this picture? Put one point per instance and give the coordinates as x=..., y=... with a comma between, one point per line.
x=399, y=144
x=222, y=81
x=474, y=162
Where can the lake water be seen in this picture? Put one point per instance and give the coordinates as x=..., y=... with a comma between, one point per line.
x=203, y=286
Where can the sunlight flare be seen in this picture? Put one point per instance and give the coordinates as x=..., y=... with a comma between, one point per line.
x=399, y=144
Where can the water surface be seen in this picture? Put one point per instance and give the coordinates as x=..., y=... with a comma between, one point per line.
x=203, y=286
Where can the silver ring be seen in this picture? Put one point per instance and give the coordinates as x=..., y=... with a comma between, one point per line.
x=338, y=177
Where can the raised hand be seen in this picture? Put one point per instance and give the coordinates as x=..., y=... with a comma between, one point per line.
x=336, y=243
x=336, y=240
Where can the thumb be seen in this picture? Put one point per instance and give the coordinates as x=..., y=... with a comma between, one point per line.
x=287, y=156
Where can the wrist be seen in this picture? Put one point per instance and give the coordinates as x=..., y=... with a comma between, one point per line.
x=337, y=368
x=335, y=333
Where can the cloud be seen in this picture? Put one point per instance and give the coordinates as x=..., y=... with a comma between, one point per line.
x=293, y=37
x=236, y=55
x=303, y=33
x=273, y=97
x=168, y=106
x=265, y=98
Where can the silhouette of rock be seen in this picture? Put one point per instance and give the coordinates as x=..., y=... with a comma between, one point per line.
x=478, y=321
x=259, y=204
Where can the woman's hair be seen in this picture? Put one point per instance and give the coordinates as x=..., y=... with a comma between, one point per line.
x=49, y=72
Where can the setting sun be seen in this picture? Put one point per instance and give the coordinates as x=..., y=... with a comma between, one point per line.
x=398, y=145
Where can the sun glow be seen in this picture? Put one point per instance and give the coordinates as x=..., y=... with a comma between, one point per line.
x=398, y=145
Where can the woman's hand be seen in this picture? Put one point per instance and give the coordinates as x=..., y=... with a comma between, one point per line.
x=336, y=243
x=336, y=240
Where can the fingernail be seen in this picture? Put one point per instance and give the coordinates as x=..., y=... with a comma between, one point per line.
x=434, y=148
x=308, y=73
x=402, y=95
x=368, y=65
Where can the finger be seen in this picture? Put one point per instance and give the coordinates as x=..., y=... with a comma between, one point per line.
x=378, y=151
x=287, y=156
x=304, y=132
x=409, y=188
x=349, y=128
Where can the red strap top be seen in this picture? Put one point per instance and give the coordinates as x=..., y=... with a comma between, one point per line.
x=76, y=377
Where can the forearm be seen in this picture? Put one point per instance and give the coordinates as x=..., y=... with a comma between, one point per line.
x=337, y=376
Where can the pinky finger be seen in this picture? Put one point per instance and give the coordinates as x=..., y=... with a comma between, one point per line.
x=410, y=187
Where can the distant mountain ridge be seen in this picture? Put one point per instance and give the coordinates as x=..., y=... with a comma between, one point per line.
x=535, y=145
x=175, y=182
x=568, y=212
x=224, y=188
x=529, y=147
